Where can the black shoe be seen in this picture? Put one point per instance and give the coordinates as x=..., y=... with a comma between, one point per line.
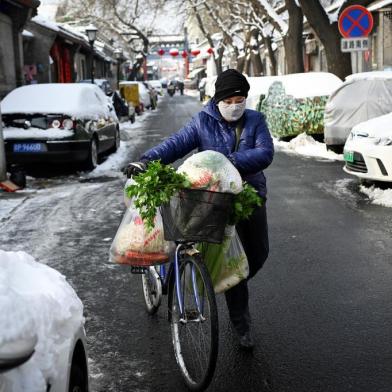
x=246, y=341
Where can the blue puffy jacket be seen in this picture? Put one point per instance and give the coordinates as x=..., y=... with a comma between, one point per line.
x=209, y=131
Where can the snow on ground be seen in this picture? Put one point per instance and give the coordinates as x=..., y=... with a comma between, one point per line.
x=305, y=145
x=382, y=197
x=8, y=205
x=131, y=137
x=192, y=93
x=35, y=300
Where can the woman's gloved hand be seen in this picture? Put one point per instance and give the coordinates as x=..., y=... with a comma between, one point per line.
x=134, y=168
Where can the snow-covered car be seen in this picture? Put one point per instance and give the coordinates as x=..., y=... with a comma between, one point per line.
x=295, y=103
x=368, y=149
x=103, y=84
x=42, y=337
x=157, y=86
x=59, y=123
x=361, y=97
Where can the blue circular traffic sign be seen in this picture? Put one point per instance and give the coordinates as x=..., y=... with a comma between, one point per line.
x=355, y=21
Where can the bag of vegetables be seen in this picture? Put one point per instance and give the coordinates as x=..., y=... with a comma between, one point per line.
x=226, y=262
x=137, y=245
x=210, y=171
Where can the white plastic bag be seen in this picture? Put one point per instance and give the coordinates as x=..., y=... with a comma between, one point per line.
x=212, y=171
x=135, y=245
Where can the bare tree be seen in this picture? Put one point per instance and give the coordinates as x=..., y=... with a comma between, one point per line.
x=293, y=45
x=338, y=63
x=128, y=21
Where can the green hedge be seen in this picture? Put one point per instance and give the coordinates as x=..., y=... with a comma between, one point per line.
x=288, y=116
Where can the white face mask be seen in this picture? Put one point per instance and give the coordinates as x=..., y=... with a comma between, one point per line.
x=231, y=112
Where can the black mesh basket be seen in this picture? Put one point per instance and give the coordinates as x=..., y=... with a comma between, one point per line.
x=197, y=215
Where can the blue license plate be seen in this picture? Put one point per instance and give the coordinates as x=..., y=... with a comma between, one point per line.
x=30, y=147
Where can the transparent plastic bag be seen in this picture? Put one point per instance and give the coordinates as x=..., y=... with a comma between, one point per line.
x=226, y=262
x=212, y=171
x=135, y=245
x=128, y=200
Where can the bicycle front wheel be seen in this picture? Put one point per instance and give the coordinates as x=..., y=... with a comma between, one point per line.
x=194, y=323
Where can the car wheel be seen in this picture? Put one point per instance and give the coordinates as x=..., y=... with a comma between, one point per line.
x=92, y=160
x=78, y=379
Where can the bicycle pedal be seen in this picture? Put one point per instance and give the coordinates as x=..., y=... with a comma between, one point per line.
x=138, y=270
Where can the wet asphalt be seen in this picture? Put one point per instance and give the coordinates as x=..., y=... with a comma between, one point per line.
x=321, y=306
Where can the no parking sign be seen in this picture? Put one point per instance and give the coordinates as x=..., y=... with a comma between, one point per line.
x=355, y=21
x=355, y=24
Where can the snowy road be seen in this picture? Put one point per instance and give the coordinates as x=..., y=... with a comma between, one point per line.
x=321, y=306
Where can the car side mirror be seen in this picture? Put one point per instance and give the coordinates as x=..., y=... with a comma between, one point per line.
x=16, y=353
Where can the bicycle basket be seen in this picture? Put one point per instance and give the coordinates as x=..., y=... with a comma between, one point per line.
x=196, y=215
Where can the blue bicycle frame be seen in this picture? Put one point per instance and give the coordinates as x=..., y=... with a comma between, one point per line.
x=164, y=275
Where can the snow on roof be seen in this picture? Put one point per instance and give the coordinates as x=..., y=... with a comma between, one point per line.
x=27, y=33
x=301, y=85
x=35, y=301
x=79, y=100
x=369, y=76
x=379, y=4
x=45, y=22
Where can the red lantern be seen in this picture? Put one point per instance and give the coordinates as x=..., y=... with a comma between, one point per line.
x=195, y=52
x=210, y=50
x=173, y=52
x=184, y=54
x=161, y=52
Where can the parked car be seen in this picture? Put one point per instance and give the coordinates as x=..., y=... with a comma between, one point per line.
x=361, y=97
x=295, y=103
x=157, y=86
x=368, y=149
x=59, y=123
x=103, y=84
x=42, y=337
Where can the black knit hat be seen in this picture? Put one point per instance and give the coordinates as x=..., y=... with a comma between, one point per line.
x=229, y=84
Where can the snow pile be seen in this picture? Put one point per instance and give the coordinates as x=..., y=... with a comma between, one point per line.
x=78, y=100
x=35, y=300
x=131, y=136
x=304, y=144
x=36, y=133
x=382, y=197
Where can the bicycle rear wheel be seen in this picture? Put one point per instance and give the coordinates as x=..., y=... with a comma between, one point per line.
x=195, y=330
x=152, y=289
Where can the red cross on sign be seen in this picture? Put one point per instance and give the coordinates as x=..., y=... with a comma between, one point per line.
x=355, y=21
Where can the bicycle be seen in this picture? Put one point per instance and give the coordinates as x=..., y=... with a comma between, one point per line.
x=192, y=308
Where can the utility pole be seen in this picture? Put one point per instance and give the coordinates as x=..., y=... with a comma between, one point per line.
x=3, y=172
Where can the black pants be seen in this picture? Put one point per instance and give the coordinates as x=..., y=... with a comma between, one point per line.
x=253, y=233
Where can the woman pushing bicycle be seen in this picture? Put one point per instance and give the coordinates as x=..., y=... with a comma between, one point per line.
x=242, y=135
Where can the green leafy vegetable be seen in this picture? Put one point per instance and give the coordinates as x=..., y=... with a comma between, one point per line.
x=160, y=182
x=244, y=204
x=155, y=187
